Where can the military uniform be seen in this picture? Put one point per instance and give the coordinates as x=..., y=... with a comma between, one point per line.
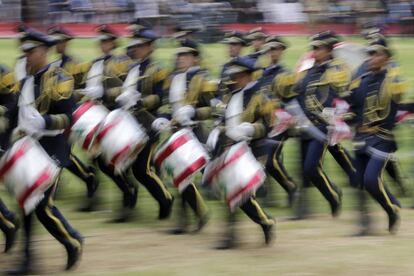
x=392, y=168
x=146, y=79
x=71, y=65
x=193, y=90
x=49, y=93
x=274, y=164
x=315, y=90
x=246, y=106
x=8, y=221
x=375, y=99
x=103, y=82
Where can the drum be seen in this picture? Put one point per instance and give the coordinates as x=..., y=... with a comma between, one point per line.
x=28, y=172
x=86, y=121
x=120, y=139
x=181, y=156
x=238, y=172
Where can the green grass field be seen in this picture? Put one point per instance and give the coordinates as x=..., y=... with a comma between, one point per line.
x=321, y=246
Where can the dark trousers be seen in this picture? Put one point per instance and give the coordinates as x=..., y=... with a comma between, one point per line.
x=256, y=213
x=191, y=196
x=54, y=222
x=126, y=186
x=370, y=171
x=345, y=161
x=276, y=169
x=78, y=168
x=7, y=218
x=145, y=173
x=312, y=152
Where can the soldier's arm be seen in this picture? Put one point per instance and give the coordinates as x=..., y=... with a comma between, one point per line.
x=154, y=101
x=61, y=94
x=283, y=86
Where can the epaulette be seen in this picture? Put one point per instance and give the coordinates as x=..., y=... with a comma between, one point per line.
x=210, y=86
x=58, y=83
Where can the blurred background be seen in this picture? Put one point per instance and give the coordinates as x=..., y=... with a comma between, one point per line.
x=214, y=16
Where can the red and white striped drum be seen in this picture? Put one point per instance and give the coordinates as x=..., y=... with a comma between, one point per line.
x=181, y=156
x=86, y=121
x=120, y=139
x=238, y=172
x=28, y=172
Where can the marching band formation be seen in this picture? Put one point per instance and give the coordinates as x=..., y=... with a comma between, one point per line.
x=129, y=113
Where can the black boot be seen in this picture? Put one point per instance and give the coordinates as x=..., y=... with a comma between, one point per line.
x=393, y=222
x=336, y=207
x=229, y=240
x=10, y=235
x=165, y=211
x=134, y=197
x=202, y=222
x=292, y=197
x=364, y=220
x=92, y=183
x=182, y=227
x=302, y=209
x=74, y=255
x=268, y=233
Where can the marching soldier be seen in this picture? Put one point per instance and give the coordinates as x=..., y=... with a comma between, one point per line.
x=47, y=116
x=275, y=47
x=236, y=43
x=8, y=220
x=257, y=39
x=104, y=83
x=247, y=117
x=142, y=93
x=314, y=91
x=392, y=168
x=376, y=96
x=189, y=95
x=70, y=65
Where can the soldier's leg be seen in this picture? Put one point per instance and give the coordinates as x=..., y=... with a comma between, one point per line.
x=256, y=213
x=194, y=199
x=314, y=173
x=84, y=172
x=56, y=224
x=277, y=170
x=229, y=241
x=374, y=184
x=364, y=222
x=145, y=173
x=345, y=161
x=302, y=209
x=8, y=225
x=128, y=188
x=393, y=169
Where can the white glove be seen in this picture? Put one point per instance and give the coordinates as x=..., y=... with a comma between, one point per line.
x=128, y=98
x=160, y=124
x=242, y=132
x=93, y=92
x=184, y=114
x=213, y=139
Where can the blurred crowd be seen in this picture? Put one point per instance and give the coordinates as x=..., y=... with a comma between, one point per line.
x=208, y=13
